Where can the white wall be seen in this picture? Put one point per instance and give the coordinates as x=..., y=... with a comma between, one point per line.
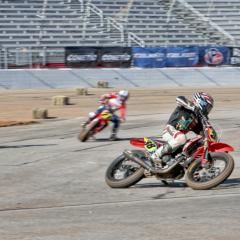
x=127, y=78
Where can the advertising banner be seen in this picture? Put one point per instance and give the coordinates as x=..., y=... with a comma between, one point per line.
x=235, y=56
x=214, y=55
x=149, y=57
x=120, y=57
x=165, y=57
x=91, y=57
x=81, y=57
x=182, y=56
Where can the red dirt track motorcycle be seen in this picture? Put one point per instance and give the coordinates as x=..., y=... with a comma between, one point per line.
x=203, y=160
x=95, y=126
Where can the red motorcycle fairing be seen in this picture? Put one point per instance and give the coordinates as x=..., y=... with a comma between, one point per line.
x=102, y=124
x=215, y=147
x=191, y=142
x=139, y=142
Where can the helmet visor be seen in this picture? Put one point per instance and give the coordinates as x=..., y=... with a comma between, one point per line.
x=207, y=109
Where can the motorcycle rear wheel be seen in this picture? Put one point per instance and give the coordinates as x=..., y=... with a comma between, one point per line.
x=193, y=173
x=119, y=175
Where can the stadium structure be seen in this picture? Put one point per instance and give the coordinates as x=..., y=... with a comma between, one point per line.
x=57, y=58
x=36, y=32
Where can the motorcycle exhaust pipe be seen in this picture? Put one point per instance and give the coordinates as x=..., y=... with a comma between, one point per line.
x=129, y=155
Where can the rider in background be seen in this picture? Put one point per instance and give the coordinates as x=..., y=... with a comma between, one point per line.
x=113, y=102
x=184, y=119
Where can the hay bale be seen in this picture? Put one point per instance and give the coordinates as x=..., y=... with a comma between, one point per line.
x=102, y=84
x=82, y=91
x=60, y=100
x=39, y=113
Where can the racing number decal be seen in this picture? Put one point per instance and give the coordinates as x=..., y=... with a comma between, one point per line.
x=150, y=145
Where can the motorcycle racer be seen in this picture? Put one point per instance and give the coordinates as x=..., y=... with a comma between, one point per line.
x=112, y=102
x=185, y=118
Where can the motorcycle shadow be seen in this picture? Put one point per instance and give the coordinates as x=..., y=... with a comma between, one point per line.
x=108, y=140
x=175, y=184
x=229, y=184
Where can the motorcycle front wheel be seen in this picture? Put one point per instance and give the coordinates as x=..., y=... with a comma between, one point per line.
x=87, y=132
x=199, y=178
x=123, y=173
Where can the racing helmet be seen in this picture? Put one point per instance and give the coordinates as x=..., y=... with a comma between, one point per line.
x=203, y=101
x=123, y=95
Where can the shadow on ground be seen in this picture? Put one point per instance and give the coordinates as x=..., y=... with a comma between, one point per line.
x=107, y=139
x=230, y=183
x=171, y=184
x=26, y=146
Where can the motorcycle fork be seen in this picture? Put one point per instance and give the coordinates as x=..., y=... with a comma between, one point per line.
x=206, y=157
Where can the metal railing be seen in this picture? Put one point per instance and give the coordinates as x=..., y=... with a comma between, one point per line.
x=80, y=3
x=134, y=38
x=3, y=59
x=92, y=8
x=113, y=23
x=26, y=57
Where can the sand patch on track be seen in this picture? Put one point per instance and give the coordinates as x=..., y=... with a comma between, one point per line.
x=16, y=106
x=8, y=123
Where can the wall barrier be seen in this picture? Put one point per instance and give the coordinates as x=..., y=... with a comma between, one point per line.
x=119, y=77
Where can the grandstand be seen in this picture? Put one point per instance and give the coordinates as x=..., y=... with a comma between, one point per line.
x=33, y=31
x=225, y=14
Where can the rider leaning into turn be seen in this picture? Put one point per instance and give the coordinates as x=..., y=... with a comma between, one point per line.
x=113, y=102
x=185, y=118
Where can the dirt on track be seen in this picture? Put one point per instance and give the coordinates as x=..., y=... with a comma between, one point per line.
x=16, y=106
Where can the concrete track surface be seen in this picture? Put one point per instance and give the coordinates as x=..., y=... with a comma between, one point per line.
x=52, y=186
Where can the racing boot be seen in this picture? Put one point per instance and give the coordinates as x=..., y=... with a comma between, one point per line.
x=163, y=154
x=113, y=136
